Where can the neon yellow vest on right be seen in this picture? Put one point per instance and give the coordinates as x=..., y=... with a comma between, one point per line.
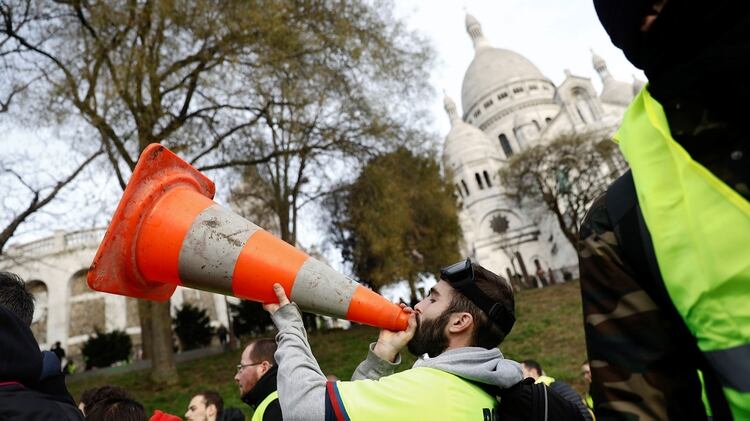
x=261, y=409
x=700, y=230
x=417, y=394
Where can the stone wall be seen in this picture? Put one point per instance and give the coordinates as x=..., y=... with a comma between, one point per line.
x=86, y=316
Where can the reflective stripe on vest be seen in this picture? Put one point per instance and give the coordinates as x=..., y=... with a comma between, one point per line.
x=417, y=394
x=546, y=380
x=261, y=409
x=700, y=229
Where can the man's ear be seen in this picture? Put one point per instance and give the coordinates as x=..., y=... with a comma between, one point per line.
x=264, y=367
x=211, y=410
x=460, y=322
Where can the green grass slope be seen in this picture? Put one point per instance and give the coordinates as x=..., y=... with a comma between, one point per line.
x=549, y=329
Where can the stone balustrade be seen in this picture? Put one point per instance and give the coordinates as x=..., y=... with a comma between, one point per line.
x=59, y=242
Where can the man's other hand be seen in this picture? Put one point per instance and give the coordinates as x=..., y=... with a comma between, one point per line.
x=281, y=295
x=390, y=343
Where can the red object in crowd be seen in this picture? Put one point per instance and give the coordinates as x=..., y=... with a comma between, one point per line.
x=163, y=416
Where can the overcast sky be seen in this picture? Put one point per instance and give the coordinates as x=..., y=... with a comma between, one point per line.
x=555, y=35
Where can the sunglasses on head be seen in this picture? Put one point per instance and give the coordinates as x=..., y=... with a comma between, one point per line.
x=461, y=277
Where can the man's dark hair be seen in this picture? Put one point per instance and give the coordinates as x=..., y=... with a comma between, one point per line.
x=533, y=364
x=117, y=409
x=91, y=396
x=486, y=333
x=263, y=350
x=15, y=297
x=213, y=398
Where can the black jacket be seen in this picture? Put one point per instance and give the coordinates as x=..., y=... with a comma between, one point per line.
x=20, y=372
x=265, y=386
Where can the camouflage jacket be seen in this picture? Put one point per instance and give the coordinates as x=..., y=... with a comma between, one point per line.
x=643, y=362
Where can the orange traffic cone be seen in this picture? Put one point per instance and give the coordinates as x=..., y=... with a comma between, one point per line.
x=167, y=231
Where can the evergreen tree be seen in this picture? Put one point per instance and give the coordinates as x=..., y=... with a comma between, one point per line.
x=397, y=220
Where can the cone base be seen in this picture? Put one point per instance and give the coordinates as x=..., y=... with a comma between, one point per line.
x=114, y=268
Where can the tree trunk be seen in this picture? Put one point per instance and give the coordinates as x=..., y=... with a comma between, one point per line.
x=413, y=292
x=144, y=315
x=230, y=322
x=310, y=320
x=163, y=369
x=156, y=330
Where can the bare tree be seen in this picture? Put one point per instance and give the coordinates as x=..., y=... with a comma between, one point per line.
x=337, y=110
x=563, y=176
x=186, y=74
x=139, y=73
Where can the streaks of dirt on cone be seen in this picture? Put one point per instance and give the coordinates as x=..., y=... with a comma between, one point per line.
x=212, y=225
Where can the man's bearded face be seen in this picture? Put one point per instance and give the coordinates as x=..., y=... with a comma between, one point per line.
x=430, y=337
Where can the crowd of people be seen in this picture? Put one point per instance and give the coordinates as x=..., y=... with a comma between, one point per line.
x=664, y=278
x=461, y=322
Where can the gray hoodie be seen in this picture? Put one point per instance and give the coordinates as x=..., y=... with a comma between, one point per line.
x=302, y=385
x=471, y=363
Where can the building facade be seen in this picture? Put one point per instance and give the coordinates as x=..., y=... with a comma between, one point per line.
x=67, y=310
x=508, y=106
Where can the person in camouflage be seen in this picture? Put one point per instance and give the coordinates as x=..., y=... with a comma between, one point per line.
x=637, y=360
x=644, y=360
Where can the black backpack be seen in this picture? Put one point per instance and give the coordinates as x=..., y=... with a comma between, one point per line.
x=529, y=401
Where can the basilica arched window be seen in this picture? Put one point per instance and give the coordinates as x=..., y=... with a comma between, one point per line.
x=487, y=179
x=505, y=144
x=502, y=96
x=548, y=120
x=479, y=181
x=39, y=321
x=458, y=190
x=466, y=187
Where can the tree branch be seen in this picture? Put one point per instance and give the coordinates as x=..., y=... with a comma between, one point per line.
x=37, y=202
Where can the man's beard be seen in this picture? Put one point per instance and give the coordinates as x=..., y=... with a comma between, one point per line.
x=430, y=337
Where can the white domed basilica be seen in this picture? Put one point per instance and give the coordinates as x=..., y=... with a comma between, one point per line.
x=509, y=105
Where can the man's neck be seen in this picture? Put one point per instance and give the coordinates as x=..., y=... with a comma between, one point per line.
x=457, y=342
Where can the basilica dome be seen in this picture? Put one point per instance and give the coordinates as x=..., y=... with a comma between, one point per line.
x=491, y=67
x=464, y=140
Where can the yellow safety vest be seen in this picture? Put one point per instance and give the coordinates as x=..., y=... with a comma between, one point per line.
x=700, y=229
x=418, y=394
x=261, y=409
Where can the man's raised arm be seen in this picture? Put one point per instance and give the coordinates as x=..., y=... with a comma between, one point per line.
x=301, y=383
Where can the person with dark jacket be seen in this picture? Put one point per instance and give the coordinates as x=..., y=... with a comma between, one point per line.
x=256, y=378
x=664, y=253
x=58, y=350
x=21, y=362
x=532, y=369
